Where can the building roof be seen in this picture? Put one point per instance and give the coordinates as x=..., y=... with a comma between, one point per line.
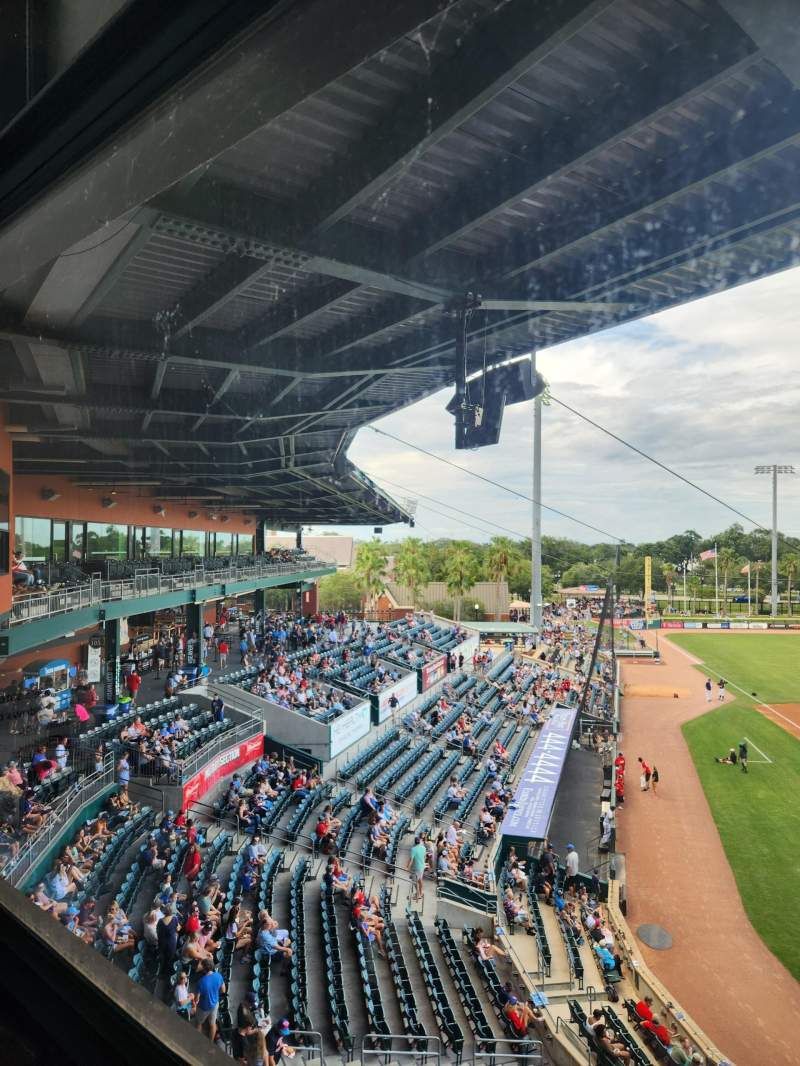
x=214, y=282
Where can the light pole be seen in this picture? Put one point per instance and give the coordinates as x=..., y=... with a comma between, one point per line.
x=775, y=469
x=536, y=517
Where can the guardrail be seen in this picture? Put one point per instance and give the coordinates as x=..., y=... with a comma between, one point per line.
x=144, y=583
x=198, y=759
x=84, y=791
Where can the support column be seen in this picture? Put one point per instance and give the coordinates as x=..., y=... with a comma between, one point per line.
x=298, y=538
x=310, y=600
x=536, y=516
x=259, y=609
x=111, y=656
x=261, y=536
x=194, y=634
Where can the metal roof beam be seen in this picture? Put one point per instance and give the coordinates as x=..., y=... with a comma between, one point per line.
x=500, y=48
x=227, y=280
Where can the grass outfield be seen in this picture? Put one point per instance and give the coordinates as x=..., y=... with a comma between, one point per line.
x=756, y=815
x=758, y=662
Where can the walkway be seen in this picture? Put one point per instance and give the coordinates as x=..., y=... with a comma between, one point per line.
x=678, y=876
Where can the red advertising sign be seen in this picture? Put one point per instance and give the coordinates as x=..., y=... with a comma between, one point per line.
x=433, y=671
x=670, y=624
x=220, y=766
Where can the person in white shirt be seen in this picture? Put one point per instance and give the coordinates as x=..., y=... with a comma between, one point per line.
x=61, y=754
x=572, y=863
x=454, y=833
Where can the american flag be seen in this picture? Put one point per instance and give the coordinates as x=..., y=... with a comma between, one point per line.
x=710, y=554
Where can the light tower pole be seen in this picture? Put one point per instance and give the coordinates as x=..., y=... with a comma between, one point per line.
x=774, y=469
x=536, y=517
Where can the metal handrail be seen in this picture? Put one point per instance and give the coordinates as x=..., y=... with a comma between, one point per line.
x=563, y=1025
x=316, y=1046
x=386, y=1055
x=144, y=583
x=198, y=759
x=507, y=1054
x=80, y=794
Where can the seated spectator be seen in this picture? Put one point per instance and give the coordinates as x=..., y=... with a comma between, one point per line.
x=521, y=1015
x=184, y=1000
x=269, y=941
x=515, y=912
x=605, y=1040
x=644, y=1008
x=486, y=950
x=658, y=1029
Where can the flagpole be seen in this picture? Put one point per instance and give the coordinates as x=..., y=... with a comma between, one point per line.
x=716, y=583
x=748, y=590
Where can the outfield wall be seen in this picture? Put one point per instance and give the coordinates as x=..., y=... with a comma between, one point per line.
x=638, y=624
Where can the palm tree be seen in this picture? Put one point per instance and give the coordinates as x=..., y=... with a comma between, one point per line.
x=461, y=572
x=370, y=570
x=727, y=561
x=669, y=573
x=498, y=561
x=790, y=567
x=411, y=566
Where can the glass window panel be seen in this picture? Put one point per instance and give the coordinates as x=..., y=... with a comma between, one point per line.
x=32, y=538
x=193, y=542
x=106, y=541
x=158, y=541
x=59, y=550
x=245, y=544
x=5, y=547
x=224, y=545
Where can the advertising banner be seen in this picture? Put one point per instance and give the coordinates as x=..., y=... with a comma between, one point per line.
x=636, y=623
x=758, y=625
x=227, y=762
x=724, y=625
x=535, y=794
x=777, y=625
x=671, y=624
x=739, y=625
x=432, y=672
x=712, y=625
x=405, y=689
x=692, y=625
x=93, y=660
x=349, y=728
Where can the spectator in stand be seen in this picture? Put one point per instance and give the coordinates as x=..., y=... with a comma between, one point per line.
x=209, y=987
x=218, y=709
x=167, y=936
x=644, y=1009
x=133, y=683
x=658, y=1029
x=185, y=1001
x=192, y=864
x=223, y=648
x=571, y=863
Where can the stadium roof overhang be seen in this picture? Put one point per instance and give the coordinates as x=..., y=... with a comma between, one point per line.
x=227, y=246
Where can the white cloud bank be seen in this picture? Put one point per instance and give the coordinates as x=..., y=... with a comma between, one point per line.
x=711, y=388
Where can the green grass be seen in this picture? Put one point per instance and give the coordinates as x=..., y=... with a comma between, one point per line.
x=756, y=815
x=759, y=662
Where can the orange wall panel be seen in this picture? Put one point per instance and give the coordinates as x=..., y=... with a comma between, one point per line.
x=132, y=509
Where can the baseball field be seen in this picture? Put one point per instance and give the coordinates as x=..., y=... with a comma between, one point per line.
x=756, y=812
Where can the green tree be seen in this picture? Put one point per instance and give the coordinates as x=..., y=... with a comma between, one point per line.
x=727, y=562
x=461, y=573
x=669, y=574
x=370, y=570
x=339, y=591
x=499, y=559
x=790, y=567
x=411, y=566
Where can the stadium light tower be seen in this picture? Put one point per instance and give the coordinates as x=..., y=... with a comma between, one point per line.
x=775, y=469
x=536, y=517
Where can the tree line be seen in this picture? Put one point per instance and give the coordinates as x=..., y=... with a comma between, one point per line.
x=460, y=564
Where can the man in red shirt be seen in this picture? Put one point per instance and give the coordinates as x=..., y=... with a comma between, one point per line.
x=134, y=682
x=645, y=771
x=660, y=1030
x=644, y=1008
x=223, y=648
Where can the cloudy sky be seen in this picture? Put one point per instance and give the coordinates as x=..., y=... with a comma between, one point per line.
x=711, y=388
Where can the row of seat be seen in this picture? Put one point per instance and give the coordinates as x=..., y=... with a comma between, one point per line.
x=451, y=1032
x=470, y=1000
x=97, y=881
x=381, y=761
x=494, y=988
x=542, y=943
x=304, y=809
x=371, y=989
x=146, y=712
x=417, y=773
x=354, y=764
x=603, y=1057
x=442, y=774
x=409, y=1013
x=332, y=957
x=261, y=971
x=468, y=802
x=397, y=768
x=399, y=829
x=443, y=806
x=298, y=976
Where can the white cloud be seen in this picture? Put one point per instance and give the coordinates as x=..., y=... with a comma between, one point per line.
x=711, y=388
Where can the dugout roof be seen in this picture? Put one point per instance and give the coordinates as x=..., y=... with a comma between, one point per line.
x=232, y=232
